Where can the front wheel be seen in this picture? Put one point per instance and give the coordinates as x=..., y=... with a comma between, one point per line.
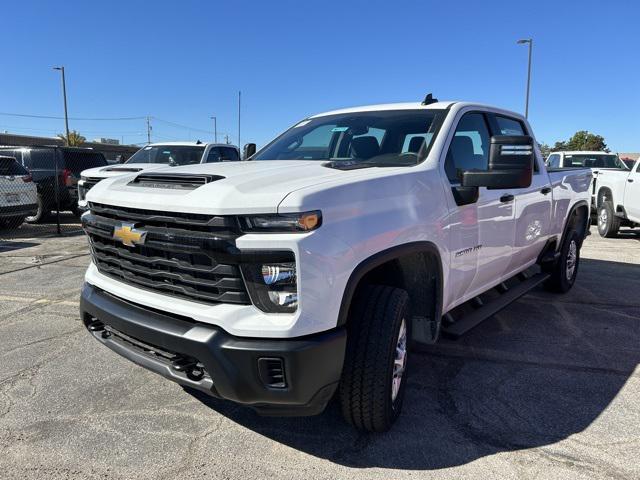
x=565, y=270
x=374, y=375
x=608, y=222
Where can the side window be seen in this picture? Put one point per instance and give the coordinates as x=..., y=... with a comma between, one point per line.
x=469, y=147
x=230, y=155
x=510, y=126
x=222, y=154
x=42, y=159
x=553, y=161
x=214, y=155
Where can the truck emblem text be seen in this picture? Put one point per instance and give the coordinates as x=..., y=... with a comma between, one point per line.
x=468, y=250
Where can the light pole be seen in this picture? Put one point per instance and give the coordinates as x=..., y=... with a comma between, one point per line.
x=64, y=96
x=530, y=42
x=215, y=129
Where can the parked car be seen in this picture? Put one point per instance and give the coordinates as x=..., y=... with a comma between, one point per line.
x=311, y=268
x=43, y=162
x=596, y=161
x=156, y=156
x=618, y=200
x=18, y=195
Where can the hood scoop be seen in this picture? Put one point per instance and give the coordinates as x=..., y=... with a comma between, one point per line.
x=176, y=181
x=121, y=169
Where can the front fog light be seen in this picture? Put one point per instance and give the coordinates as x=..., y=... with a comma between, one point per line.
x=273, y=287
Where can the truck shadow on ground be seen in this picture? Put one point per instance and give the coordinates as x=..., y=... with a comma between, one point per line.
x=538, y=372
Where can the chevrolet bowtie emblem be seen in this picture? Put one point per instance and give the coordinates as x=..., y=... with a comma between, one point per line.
x=129, y=235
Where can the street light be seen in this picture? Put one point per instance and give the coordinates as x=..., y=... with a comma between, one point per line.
x=530, y=42
x=64, y=96
x=215, y=129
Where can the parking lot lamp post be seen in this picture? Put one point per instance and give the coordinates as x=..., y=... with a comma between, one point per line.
x=215, y=129
x=64, y=96
x=528, y=41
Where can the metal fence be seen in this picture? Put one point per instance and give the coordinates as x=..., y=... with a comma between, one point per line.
x=38, y=190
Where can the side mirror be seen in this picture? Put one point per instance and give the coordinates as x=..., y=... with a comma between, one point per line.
x=248, y=151
x=510, y=164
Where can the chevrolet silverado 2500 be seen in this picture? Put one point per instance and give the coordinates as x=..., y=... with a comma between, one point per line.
x=309, y=269
x=618, y=199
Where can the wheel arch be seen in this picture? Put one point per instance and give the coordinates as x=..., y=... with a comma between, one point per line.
x=401, y=266
x=578, y=215
x=604, y=192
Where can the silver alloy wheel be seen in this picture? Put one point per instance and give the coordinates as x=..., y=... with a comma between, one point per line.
x=572, y=257
x=603, y=218
x=400, y=361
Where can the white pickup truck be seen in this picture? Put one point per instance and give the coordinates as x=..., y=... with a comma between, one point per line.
x=618, y=199
x=155, y=156
x=310, y=269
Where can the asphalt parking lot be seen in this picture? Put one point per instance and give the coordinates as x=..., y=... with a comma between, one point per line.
x=548, y=388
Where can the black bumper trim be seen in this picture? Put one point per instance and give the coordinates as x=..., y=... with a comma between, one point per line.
x=313, y=363
x=19, y=210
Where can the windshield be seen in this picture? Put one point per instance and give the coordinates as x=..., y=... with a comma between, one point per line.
x=593, y=161
x=389, y=138
x=168, y=154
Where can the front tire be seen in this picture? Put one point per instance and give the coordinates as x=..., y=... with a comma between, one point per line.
x=374, y=375
x=608, y=222
x=565, y=270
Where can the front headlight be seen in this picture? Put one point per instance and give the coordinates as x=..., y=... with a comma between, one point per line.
x=282, y=223
x=273, y=287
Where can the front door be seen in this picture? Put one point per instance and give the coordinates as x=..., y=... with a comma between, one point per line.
x=482, y=233
x=632, y=194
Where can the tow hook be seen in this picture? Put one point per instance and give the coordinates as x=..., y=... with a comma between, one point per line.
x=96, y=326
x=189, y=366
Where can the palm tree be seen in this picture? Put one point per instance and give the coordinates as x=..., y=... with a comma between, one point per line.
x=74, y=140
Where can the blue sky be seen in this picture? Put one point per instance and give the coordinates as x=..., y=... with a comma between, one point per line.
x=185, y=61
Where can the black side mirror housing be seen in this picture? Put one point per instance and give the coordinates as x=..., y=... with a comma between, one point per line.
x=511, y=160
x=248, y=151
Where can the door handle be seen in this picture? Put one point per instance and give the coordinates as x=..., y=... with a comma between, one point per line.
x=507, y=198
x=545, y=190
x=630, y=180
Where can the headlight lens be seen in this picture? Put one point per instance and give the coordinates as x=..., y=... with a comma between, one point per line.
x=273, y=287
x=286, y=222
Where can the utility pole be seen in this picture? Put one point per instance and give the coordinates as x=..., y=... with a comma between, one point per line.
x=239, y=102
x=530, y=42
x=64, y=96
x=226, y=139
x=215, y=129
x=148, y=129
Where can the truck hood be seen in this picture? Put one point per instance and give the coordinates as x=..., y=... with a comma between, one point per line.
x=244, y=187
x=120, y=169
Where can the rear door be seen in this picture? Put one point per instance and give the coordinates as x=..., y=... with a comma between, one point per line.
x=482, y=233
x=532, y=204
x=632, y=194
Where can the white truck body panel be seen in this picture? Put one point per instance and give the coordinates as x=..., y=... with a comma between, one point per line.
x=623, y=189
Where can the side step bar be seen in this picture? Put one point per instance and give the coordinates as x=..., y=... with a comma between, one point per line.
x=466, y=323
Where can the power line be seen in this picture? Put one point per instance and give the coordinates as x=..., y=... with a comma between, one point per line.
x=180, y=125
x=49, y=117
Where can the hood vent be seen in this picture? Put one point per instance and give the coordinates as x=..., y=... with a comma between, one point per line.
x=121, y=169
x=176, y=181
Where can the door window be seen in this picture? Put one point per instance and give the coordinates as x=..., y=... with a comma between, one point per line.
x=510, y=126
x=469, y=148
x=553, y=161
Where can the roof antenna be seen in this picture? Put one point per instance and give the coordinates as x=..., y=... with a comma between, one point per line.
x=428, y=100
x=198, y=142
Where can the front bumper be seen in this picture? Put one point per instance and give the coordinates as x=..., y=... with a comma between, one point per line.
x=227, y=367
x=19, y=210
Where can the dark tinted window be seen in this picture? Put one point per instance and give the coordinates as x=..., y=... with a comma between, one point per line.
x=222, y=154
x=510, y=126
x=10, y=167
x=589, y=160
x=469, y=149
x=41, y=159
x=76, y=161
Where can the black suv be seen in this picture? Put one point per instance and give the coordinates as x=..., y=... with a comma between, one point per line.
x=43, y=163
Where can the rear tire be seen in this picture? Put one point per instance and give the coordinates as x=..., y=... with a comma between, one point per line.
x=565, y=270
x=374, y=375
x=608, y=222
x=41, y=213
x=13, y=222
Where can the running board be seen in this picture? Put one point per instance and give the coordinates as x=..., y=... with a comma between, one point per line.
x=472, y=320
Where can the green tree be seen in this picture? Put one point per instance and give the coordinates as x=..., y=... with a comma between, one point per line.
x=583, y=140
x=544, y=149
x=74, y=140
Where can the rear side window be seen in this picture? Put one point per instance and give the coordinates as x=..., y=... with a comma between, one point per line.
x=469, y=149
x=10, y=167
x=41, y=159
x=77, y=161
x=510, y=126
x=553, y=161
